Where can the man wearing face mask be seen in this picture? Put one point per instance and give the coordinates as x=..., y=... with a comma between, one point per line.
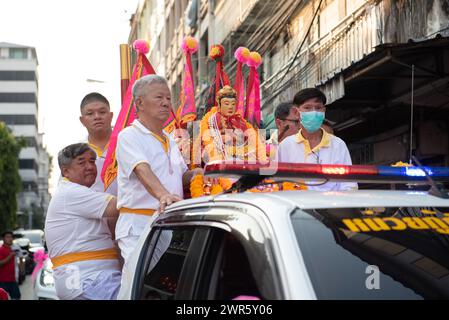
x=312, y=144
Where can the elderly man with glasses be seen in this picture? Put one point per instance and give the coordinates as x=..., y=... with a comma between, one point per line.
x=287, y=120
x=312, y=144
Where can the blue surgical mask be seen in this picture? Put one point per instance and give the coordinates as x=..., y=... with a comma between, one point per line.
x=312, y=120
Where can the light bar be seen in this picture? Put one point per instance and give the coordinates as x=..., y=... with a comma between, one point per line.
x=344, y=169
x=309, y=171
x=416, y=172
x=434, y=172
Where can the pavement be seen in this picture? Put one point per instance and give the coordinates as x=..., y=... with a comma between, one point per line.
x=27, y=288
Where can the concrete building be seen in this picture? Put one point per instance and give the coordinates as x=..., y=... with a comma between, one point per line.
x=163, y=24
x=147, y=23
x=359, y=52
x=43, y=175
x=19, y=108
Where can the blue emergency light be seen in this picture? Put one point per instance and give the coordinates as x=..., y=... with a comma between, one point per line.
x=359, y=173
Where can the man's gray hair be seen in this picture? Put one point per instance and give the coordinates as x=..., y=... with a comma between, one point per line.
x=66, y=155
x=139, y=85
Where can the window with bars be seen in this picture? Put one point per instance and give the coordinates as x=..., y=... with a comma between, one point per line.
x=25, y=97
x=17, y=75
x=18, y=53
x=19, y=119
x=28, y=164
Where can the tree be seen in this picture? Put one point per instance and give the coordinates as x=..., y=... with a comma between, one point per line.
x=10, y=182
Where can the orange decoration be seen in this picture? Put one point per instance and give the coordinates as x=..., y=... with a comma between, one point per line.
x=198, y=188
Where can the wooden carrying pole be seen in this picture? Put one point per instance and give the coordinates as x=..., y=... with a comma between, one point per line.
x=125, y=68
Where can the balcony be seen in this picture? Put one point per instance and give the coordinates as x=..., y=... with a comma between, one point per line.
x=28, y=175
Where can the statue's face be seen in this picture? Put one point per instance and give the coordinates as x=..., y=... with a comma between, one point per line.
x=228, y=106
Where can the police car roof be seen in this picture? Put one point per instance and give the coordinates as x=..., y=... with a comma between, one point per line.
x=317, y=199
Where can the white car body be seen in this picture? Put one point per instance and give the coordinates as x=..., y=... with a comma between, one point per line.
x=44, y=288
x=272, y=212
x=36, y=237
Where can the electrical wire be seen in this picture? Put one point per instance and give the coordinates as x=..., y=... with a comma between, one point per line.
x=255, y=20
x=254, y=39
x=298, y=51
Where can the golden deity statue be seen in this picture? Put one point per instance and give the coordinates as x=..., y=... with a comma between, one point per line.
x=226, y=135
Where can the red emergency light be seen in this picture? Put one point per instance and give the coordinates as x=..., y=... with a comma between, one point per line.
x=309, y=171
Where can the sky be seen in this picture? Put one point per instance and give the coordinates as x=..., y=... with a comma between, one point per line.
x=74, y=41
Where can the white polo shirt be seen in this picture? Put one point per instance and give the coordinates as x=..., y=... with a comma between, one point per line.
x=135, y=145
x=330, y=150
x=74, y=224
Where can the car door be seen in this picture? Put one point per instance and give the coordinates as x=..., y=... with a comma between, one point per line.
x=236, y=267
x=209, y=253
x=167, y=264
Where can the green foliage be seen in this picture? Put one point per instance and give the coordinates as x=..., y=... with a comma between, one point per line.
x=10, y=183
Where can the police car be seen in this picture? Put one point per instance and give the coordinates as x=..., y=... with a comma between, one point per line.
x=362, y=244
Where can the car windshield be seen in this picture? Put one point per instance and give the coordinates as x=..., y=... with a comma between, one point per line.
x=34, y=237
x=375, y=253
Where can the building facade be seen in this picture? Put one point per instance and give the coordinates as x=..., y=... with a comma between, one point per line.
x=382, y=64
x=162, y=24
x=19, y=108
x=44, y=172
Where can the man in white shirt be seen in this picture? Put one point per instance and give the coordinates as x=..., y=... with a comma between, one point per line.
x=84, y=257
x=96, y=117
x=151, y=169
x=312, y=144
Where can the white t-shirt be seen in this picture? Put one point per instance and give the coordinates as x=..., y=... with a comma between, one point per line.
x=74, y=224
x=135, y=145
x=331, y=150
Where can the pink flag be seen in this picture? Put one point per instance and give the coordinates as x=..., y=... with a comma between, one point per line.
x=187, y=110
x=126, y=116
x=252, y=114
x=241, y=55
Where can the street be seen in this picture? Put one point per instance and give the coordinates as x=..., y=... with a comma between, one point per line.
x=27, y=289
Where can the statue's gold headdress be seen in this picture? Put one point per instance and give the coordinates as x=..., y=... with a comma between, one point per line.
x=226, y=92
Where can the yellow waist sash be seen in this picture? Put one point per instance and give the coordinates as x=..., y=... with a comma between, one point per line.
x=106, y=254
x=144, y=212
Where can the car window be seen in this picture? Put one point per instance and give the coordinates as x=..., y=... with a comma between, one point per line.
x=238, y=262
x=165, y=264
x=375, y=253
x=235, y=277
